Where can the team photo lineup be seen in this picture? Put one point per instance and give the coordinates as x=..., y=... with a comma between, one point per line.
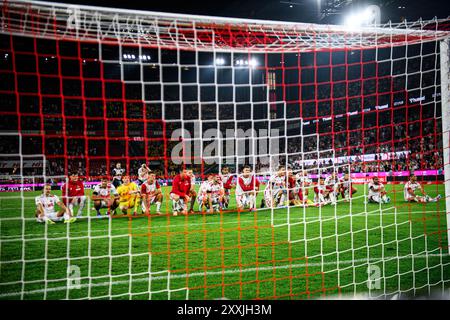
x=284, y=152
x=283, y=189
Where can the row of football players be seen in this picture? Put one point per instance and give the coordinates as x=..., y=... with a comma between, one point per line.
x=326, y=191
x=283, y=188
x=213, y=194
x=125, y=197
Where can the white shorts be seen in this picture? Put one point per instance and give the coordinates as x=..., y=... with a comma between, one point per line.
x=52, y=215
x=201, y=198
x=374, y=198
x=272, y=198
x=105, y=203
x=151, y=198
x=145, y=202
x=243, y=200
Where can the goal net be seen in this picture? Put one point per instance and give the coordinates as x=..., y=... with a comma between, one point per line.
x=321, y=117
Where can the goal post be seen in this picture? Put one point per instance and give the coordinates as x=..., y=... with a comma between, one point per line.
x=313, y=114
x=445, y=88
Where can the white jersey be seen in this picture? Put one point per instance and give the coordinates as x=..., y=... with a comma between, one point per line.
x=143, y=174
x=410, y=185
x=205, y=187
x=250, y=183
x=47, y=202
x=223, y=178
x=215, y=189
x=276, y=183
x=374, y=190
x=346, y=184
x=302, y=181
x=331, y=182
x=105, y=192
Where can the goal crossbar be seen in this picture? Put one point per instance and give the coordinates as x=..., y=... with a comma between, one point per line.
x=193, y=32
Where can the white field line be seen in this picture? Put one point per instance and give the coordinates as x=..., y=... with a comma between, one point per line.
x=242, y=222
x=170, y=276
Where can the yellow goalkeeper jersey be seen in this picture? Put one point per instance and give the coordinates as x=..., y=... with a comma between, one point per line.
x=124, y=191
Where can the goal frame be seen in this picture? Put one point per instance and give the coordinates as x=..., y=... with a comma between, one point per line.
x=199, y=32
x=83, y=22
x=445, y=105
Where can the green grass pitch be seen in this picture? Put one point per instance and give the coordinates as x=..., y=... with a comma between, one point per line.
x=297, y=253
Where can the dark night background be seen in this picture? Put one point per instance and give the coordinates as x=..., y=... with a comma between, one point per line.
x=286, y=10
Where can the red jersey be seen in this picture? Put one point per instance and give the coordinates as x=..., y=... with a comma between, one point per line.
x=181, y=186
x=292, y=182
x=72, y=190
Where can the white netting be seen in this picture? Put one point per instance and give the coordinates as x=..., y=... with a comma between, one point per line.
x=84, y=23
x=113, y=85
